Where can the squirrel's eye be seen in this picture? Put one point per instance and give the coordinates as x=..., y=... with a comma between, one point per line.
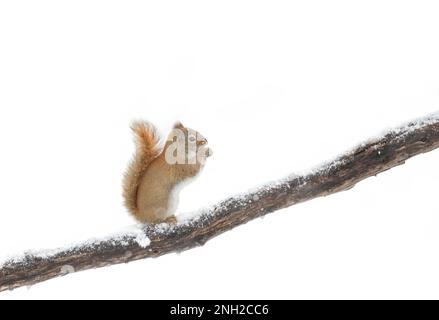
x=192, y=139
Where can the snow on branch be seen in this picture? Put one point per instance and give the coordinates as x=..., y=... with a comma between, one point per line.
x=368, y=159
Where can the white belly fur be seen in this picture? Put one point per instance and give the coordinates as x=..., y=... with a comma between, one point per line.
x=175, y=196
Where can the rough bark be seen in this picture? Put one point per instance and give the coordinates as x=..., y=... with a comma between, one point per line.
x=369, y=159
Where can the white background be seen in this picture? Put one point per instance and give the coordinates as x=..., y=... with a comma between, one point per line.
x=276, y=87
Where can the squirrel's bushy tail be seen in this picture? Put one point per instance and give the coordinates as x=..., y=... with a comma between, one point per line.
x=147, y=149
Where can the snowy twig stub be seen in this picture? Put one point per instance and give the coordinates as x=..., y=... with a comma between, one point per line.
x=369, y=159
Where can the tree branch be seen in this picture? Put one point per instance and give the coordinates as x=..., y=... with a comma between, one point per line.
x=369, y=159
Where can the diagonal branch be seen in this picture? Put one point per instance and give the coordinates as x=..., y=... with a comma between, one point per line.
x=369, y=159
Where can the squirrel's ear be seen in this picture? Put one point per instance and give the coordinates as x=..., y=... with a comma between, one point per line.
x=178, y=125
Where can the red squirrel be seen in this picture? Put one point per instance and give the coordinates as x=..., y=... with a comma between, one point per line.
x=157, y=173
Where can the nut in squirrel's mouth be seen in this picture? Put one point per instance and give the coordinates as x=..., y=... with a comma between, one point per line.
x=204, y=146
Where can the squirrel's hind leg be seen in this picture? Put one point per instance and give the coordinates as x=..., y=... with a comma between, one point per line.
x=171, y=220
x=161, y=216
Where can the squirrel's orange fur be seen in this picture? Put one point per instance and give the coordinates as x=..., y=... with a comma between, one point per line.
x=152, y=183
x=147, y=149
